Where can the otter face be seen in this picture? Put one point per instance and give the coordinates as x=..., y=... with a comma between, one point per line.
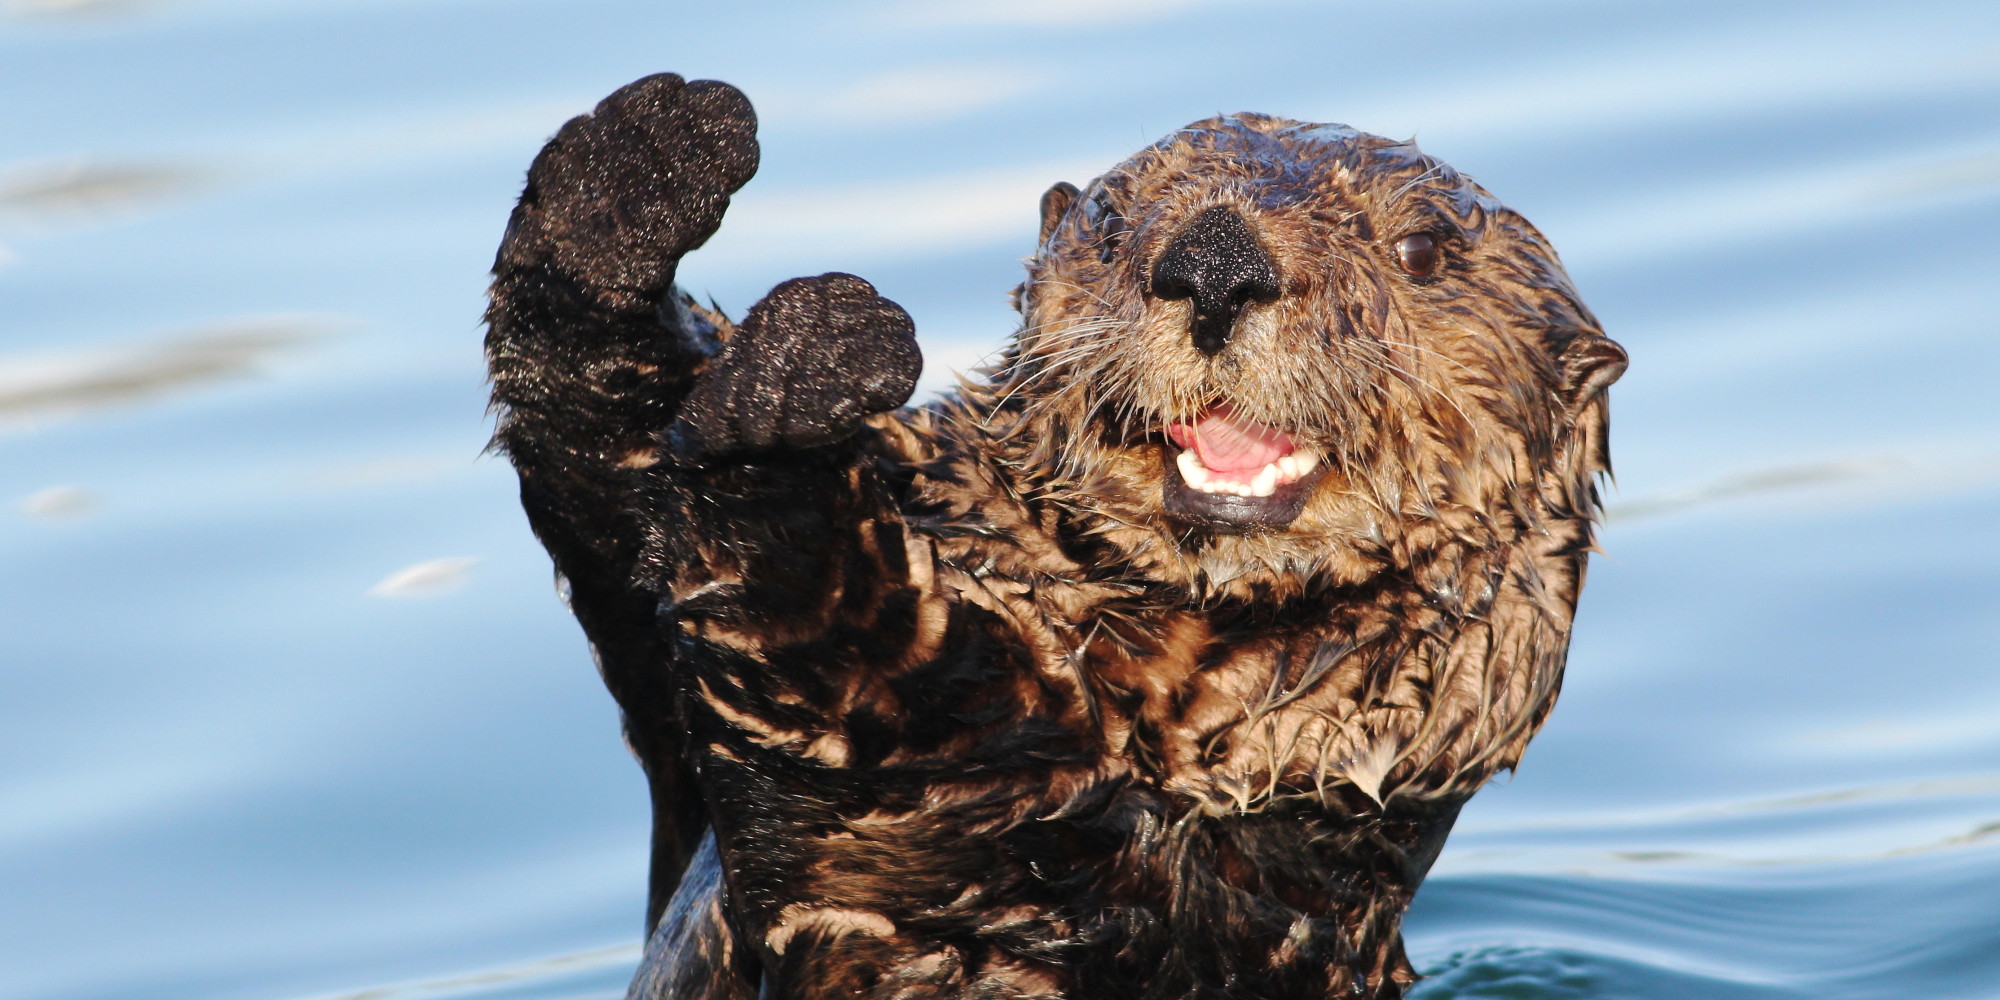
x=1284, y=349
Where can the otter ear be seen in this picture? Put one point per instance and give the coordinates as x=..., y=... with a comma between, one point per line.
x=1590, y=364
x=1055, y=202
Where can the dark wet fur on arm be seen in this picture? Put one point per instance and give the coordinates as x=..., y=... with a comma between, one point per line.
x=602, y=371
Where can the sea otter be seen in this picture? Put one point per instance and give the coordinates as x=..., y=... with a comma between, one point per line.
x=1154, y=662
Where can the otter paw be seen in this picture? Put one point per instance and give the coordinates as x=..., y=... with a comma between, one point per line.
x=810, y=361
x=620, y=194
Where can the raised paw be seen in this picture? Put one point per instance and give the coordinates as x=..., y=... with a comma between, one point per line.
x=810, y=361
x=620, y=194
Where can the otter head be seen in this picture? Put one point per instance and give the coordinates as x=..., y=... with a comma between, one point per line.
x=1265, y=352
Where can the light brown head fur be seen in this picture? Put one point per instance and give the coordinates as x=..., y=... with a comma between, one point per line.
x=1461, y=405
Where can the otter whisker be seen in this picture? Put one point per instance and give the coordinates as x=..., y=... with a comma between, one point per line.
x=1414, y=381
x=1436, y=169
x=1073, y=286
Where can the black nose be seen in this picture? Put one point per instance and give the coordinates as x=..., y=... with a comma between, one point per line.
x=1216, y=262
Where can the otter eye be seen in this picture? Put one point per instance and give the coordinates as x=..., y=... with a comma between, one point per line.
x=1418, y=253
x=1110, y=225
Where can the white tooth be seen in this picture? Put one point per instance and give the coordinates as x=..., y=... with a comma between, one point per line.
x=1306, y=460
x=1192, y=471
x=1288, y=467
x=1266, y=481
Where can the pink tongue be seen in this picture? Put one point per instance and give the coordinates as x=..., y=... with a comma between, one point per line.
x=1226, y=442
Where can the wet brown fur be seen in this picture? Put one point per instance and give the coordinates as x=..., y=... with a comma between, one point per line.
x=969, y=713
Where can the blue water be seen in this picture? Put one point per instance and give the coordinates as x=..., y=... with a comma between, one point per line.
x=289, y=709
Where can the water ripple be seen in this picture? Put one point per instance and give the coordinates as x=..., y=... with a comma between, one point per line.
x=600, y=972
x=39, y=388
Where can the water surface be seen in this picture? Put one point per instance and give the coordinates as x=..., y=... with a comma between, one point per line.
x=289, y=708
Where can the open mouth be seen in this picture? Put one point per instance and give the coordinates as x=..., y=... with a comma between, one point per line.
x=1234, y=474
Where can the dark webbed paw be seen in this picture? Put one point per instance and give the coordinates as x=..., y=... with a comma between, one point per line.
x=810, y=361
x=621, y=193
